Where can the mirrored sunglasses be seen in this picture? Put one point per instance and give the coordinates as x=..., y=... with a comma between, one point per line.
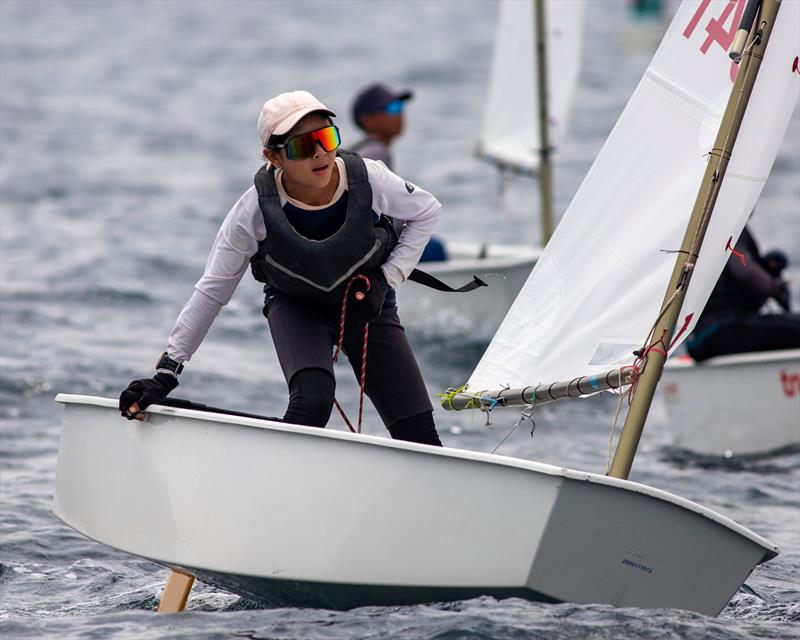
x=305, y=145
x=394, y=107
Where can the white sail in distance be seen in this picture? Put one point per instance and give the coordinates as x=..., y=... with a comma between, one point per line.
x=596, y=291
x=510, y=130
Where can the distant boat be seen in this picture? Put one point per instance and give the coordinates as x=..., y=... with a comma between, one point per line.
x=510, y=138
x=737, y=405
x=510, y=135
x=309, y=517
x=477, y=314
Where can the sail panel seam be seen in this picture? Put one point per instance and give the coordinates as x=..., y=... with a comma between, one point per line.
x=682, y=92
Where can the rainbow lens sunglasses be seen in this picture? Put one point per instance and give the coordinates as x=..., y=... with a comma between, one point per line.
x=305, y=145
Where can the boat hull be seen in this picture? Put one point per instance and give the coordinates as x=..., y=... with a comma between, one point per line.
x=742, y=405
x=327, y=595
x=479, y=313
x=300, y=516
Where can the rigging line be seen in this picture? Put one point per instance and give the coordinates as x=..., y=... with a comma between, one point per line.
x=499, y=444
x=641, y=360
x=714, y=184
x=527, y=414
x=756, y=40
x=706, y=214
x=614, y=423
x=651, y=333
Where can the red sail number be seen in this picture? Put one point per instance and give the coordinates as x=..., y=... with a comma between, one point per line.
x=790, y=383
x=716, y=28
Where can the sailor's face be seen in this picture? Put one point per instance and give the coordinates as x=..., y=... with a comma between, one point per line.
x=382, y=124
x=316, y=171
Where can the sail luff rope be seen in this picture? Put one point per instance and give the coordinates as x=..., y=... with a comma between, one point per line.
x=614, y=425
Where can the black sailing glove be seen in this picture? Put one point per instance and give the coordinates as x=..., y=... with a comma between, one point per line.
x=370, y=306
x=143, y=393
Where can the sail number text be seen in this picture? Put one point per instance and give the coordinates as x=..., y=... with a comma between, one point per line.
x=720, y=29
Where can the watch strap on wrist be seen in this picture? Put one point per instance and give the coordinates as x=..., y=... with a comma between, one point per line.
x=168, y=365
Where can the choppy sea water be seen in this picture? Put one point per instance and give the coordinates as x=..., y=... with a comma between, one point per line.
x=127, y=129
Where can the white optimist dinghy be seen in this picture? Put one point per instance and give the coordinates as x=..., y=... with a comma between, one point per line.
x=708, y=417
x=525, y=120
x=301, y=516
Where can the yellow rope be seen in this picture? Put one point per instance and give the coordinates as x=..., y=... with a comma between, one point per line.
x=449, y=394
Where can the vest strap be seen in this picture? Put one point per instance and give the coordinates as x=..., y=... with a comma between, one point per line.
x=426, y=279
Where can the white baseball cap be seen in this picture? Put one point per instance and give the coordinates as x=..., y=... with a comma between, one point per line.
x=281, y=113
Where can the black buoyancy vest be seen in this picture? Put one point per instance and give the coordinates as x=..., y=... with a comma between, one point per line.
x=730, y=293
x=318, y=270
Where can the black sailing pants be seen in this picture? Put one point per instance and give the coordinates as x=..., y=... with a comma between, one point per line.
x=304, y=337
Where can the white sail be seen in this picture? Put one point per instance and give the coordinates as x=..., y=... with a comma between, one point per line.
x=598, y=287
x=510, y=130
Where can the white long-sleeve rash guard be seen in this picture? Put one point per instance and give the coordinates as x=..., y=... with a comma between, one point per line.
x=243, y=228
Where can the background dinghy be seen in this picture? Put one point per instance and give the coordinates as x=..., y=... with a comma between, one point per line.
x=478, y=314
x=738, y=405
x=525, y=121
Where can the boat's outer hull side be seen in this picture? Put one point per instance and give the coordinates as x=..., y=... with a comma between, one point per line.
x=283, y=513
x=638, y=552
x=325, y=595
x=289, y=505
x=740, y=405
x=478, y=313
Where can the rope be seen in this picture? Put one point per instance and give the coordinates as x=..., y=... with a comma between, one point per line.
x=641, y=354
x=476, y=400
x=448, y=395
x=707, y=204
x=640, y=359
x=340, y=341
x=614, y=423
x=362, y=382
x=525, y=416
x=484, y=402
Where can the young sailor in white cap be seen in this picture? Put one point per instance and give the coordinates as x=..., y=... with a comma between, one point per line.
x=314, y=229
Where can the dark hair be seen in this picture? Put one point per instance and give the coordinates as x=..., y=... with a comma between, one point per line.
x=275, y=140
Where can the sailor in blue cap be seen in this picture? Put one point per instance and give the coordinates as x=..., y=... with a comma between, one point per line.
x=378, y=112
